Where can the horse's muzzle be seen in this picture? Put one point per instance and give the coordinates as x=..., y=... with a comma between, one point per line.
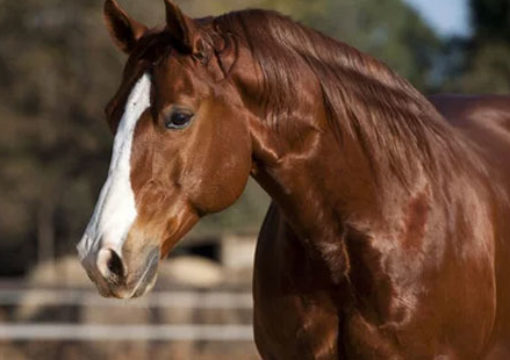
x=114, y=278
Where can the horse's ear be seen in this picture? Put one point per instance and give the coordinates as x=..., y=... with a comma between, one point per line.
x=182, y=28
x=124, y=30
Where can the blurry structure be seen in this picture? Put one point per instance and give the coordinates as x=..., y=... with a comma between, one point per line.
x=201, y=308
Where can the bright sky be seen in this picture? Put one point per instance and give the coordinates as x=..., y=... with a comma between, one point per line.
x=448, y=17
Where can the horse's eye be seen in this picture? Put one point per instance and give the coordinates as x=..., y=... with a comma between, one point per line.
x=178, y=120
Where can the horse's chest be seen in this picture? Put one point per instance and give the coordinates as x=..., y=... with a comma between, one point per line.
x=294, y=327
x=300, y=314
x=294, y=316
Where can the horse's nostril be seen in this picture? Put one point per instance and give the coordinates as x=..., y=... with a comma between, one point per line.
x=110, y=264
x=115, y=265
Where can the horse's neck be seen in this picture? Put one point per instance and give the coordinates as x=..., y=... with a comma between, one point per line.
x=322, y=191
x=326, y=188
x=328, y=195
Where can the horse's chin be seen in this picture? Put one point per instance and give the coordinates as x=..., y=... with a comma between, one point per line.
x=146, y=283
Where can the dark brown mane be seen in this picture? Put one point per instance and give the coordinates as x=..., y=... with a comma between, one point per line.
x=397, y=128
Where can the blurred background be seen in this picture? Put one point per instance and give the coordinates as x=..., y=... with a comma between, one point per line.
x=58, y=69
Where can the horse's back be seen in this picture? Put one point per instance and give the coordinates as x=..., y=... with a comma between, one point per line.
x=488, y=110
x=485, y=120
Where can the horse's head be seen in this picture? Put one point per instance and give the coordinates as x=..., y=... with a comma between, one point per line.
x=182, y=147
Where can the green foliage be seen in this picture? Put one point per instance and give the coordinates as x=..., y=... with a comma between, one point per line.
x=487, y=71
x=491, y=20
x=386, y=29
x=480, y=64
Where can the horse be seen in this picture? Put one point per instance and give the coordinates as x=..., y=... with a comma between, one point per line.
x=388, y=233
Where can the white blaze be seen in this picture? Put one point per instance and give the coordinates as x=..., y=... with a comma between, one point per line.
x=115, y=210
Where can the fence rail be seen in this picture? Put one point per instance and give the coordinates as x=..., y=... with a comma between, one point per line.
x=132, y=332
x=195, y=299
x=90, y=332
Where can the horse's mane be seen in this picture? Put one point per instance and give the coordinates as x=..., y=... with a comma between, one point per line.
x=397, y=127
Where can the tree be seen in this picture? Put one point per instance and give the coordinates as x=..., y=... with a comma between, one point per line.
x=479, y=64
x=490, y=20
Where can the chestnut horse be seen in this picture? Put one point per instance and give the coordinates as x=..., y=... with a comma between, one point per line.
x=388, y=236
